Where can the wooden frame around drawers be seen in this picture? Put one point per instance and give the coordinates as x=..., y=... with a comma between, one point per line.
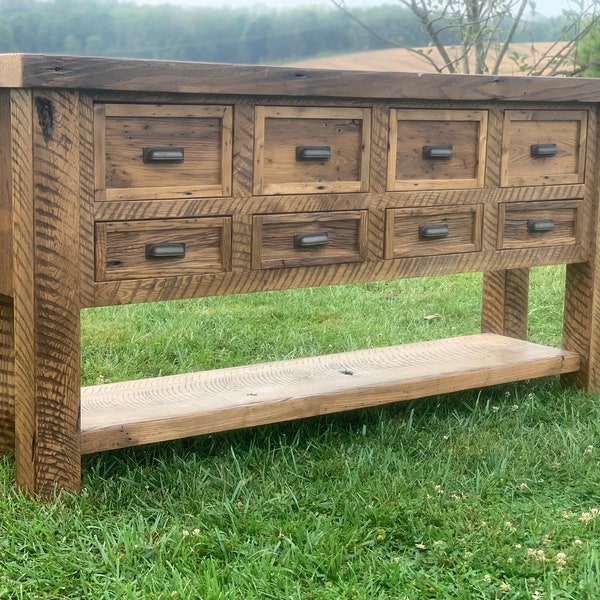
x=54, y=213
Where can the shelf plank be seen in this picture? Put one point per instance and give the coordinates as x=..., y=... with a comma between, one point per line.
x=118, y=415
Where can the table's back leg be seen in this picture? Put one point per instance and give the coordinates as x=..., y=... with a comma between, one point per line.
x=505, y=303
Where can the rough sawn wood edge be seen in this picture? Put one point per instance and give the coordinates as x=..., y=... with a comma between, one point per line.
x=152, y=410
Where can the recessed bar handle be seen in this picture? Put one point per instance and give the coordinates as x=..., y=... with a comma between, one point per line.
x=163, y=155
x=309, y=153
x=543, y=150
x=438, y=152
x=166, y=250
x=317, y=239
x=540, y=225
x=433, y=232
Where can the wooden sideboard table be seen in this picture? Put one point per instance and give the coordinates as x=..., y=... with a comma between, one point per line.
x=128, y=181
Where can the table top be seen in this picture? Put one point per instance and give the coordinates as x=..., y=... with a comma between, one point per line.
x=118, y=74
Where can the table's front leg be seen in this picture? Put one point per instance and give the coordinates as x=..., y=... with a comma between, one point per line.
x=505, y=303
x=46, y=206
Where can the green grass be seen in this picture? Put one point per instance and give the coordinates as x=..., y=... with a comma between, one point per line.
x=480, y=495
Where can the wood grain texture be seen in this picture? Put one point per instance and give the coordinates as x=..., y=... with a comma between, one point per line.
x=405, y=237
x=275, y=244
x=79, y=207
x=86, y=204
x=119, y=415
x=238, y=282
x=465, y=132
x=203, y=134
x=7, y=375
x=51, y=406
x=505, y=303
x=516, y=219
x=522, y=129
x=244, y=205
x=31, y=70
x=24, y=297
x=6, y=234
x=581, y=324
x=122, y=247
x=279, y=131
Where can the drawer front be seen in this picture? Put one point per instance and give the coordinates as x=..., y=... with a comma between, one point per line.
x=535, y=224
x=162, y=248
x=305, y=239
x=543, y=147
x=311, y=150
x=155, y=151
x=437, y=149
x=431, y=231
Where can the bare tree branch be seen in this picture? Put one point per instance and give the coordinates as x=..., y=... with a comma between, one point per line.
x=509, y=37
x=476, y=25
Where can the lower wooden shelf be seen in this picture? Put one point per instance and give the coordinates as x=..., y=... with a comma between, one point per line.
x=117, y=415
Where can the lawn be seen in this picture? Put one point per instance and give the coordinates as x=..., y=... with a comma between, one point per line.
x=487, y=494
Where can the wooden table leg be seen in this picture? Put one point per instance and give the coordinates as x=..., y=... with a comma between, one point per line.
x=7, y=380
x=581, y=323
x=46, y=212
x=505, y=303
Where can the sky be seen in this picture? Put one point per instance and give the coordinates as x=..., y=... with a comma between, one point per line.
x=544, y=7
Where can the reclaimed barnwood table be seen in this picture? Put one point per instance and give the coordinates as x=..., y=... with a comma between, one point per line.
x=126, y=181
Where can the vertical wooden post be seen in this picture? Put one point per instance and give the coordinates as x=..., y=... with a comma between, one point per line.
x=505, y=303
x=7, y=381
x=581, y=321
x=46, y=293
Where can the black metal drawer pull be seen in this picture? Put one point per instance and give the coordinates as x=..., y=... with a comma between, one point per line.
x=166, y=250
x=543, y=150
x=163, y=155
x=540, y=225
x=309, y=153
x=438, y=152
x=318, y=239
x=433, y=232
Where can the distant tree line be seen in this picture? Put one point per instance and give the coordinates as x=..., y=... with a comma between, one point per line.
x=241, y=35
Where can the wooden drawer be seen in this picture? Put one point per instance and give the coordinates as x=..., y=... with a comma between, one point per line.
x=429, y=231
x=303, y=239
x=162, y=248
x=436, y=149
x=311, y=150
x=543, y=147
x=535, y=224
x=146, y=151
